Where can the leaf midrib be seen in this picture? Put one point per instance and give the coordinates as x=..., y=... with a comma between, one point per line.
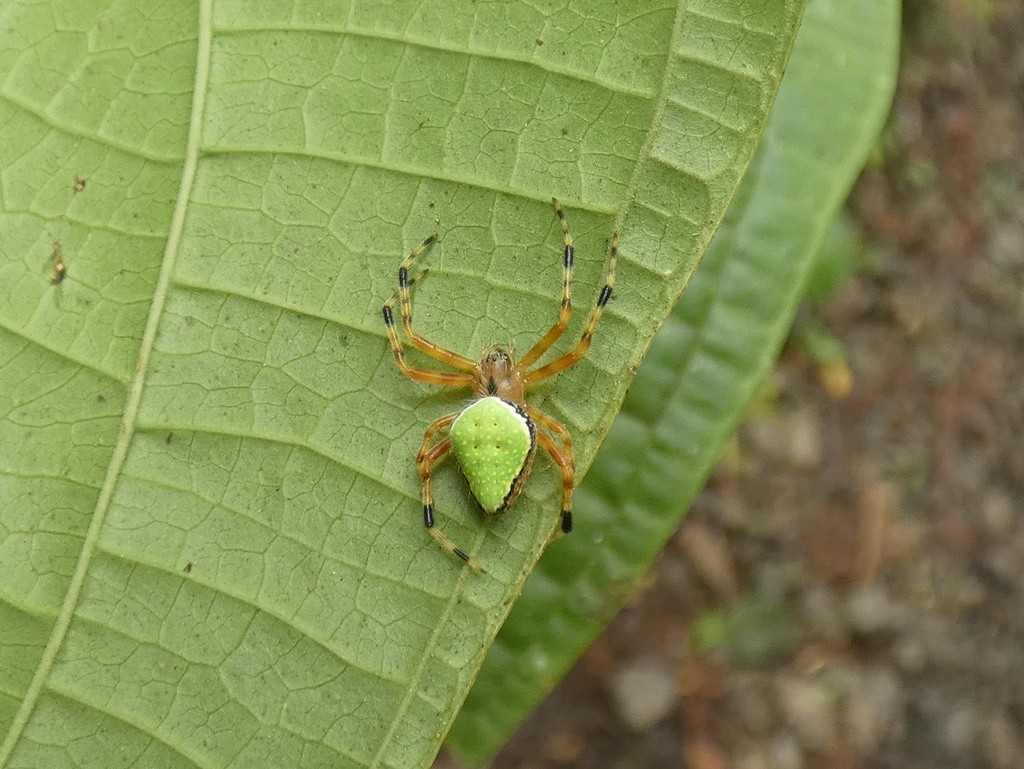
x=128, y=426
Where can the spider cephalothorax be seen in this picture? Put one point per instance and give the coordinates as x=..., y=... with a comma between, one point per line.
x=495, y=437
x=497, y=374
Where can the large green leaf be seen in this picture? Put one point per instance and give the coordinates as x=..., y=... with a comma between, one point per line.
x=209, y=523
x=705, y=363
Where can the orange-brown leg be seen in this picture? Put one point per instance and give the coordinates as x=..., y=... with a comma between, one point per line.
x=420, y=375
x=565, y=463
x=428, y=435
x=435, y=351
x=425, y=461
x=566, y=312
x=553, y=425
x=588, y=332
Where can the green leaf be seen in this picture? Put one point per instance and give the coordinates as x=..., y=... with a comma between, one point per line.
x=209, y=518
x=840, y=256
x=703, y=366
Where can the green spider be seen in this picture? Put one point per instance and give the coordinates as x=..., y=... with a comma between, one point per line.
x=495, y=437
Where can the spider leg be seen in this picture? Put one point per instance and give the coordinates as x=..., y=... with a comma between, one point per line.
x=564, y=461
x=420, y=375
x=435, y=351
x=552, y=424
x=588, y=332
x=428, y=436
x=565, y=313
x=393, y=299
x=425, y=461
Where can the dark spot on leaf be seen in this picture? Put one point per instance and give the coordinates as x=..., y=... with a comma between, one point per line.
x=57, y=264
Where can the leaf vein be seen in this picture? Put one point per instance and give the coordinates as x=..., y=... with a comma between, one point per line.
x=160, y=483
x=63, y=354
x=281, y=440
x=505, y=57
x=81, y=700
x=105, y=141
x=22, y=609
x=418, y=173
x=64, y=217
x=133, y=559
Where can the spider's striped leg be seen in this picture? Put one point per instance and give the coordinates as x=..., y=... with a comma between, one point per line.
x=566, y=465
x=425, y=461
x=588, y=332
x=420, y=375
x=553, y=425
x=428, y=437
x=565, y=313
x=435, y=351
x=394, y=299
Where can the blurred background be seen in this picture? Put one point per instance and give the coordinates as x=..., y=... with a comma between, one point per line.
x=849, y=589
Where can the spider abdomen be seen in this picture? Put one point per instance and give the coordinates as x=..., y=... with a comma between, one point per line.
x=495, y=442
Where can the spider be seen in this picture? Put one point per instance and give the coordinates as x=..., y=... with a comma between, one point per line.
x=495, y=437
